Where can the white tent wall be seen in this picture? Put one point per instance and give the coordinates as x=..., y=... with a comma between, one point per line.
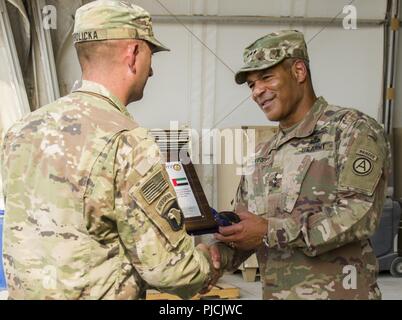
x=339, y=58
x=193, y=84
x=339, y=64
x=68, y=69
x=12, y=90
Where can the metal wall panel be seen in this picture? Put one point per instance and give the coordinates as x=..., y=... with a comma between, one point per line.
x=366, y=9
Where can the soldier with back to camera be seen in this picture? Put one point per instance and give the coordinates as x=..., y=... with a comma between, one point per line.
x=90, y=211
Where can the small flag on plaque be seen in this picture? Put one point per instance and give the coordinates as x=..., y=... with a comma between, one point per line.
x=180, y=182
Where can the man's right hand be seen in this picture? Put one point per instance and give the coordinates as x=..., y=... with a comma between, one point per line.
x=215, y=256
x=216, y=271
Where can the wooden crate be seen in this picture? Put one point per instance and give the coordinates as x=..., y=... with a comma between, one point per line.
x=221, y=290
x=249, y=269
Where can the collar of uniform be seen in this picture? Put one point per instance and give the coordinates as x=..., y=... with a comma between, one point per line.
x=98, y=89
x=306, y=126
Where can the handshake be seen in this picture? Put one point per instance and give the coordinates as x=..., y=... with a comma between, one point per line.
x=216, y=270
x=223, y=219
x=243, y=231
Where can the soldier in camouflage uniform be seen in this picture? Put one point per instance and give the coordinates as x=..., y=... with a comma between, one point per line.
x=90, y=211
x=318, y=186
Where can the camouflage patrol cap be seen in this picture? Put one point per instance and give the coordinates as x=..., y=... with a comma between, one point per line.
x=112, y=20
x=271, y=50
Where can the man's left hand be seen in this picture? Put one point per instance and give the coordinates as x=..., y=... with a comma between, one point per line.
x=246, y=235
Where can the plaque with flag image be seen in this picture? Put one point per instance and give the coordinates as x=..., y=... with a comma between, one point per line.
x=175, y=149
x=191, y=198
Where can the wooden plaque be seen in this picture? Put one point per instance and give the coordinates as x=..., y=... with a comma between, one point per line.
x=198, y=218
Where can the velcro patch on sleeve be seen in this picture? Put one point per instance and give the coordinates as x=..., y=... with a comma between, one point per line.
x=363, y=167
x=168, y=218
x=154, y=187
x=164, y=201
x=156, y=198
x=174, y=217
x=145, y=165
x=367, y=154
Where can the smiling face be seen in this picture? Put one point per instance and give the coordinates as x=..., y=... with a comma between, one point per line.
x=279, y=91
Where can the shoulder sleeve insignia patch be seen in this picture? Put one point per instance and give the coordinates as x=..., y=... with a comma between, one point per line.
x=164, y=201
x=154, y=187
x=362, y=166
x=367, y=154
x=175, y=218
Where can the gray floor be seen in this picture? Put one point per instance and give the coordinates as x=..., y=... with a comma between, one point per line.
x=391, y=287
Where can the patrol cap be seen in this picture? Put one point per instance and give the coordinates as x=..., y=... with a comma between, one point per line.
x=112, y=20
x=271, y=50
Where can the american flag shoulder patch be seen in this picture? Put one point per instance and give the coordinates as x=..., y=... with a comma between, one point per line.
x=154, y=187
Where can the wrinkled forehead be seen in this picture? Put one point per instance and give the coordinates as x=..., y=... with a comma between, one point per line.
x=256, y=75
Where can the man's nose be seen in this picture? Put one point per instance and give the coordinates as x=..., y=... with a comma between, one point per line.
x=151, y=72
x=258, y=89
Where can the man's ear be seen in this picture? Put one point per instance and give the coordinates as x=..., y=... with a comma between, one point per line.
x=299, y=71
x=132, y=56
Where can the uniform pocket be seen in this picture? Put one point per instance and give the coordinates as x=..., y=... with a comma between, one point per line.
x=294, y=174
x=265, y=189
